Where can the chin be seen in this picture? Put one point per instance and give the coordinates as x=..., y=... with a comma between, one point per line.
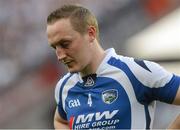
x=73, y=70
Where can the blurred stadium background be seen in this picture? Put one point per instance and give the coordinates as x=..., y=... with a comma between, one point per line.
x=147, y=29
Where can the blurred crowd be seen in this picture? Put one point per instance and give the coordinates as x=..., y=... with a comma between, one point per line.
x=23, y=40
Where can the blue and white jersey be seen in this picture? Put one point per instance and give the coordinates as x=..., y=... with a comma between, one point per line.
x=120, y=95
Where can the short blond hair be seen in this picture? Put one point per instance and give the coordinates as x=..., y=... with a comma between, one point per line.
x=79, y=16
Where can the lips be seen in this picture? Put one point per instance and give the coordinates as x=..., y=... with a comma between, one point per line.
x=67, y=62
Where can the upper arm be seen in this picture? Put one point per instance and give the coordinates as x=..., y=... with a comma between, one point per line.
x=153, y=80
x=177, y=98
x=166, y=87
x=175, y=124
x=59, y=122
x=60, y=119
x=58, y=96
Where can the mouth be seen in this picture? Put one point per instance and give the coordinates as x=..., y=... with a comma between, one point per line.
x=67, y=62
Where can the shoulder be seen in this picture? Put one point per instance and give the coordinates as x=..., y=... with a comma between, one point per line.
x=137, y=65
x=147, y=72
x=60, y=84
x=63, y=79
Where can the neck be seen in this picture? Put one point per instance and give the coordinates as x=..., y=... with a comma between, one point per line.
x=98, y=55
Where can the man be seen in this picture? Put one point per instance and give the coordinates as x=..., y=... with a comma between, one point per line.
x=103, y=90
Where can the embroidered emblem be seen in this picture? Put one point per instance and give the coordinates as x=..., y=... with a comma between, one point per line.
x=89, y=81
x=109, y=96
x=74, y=103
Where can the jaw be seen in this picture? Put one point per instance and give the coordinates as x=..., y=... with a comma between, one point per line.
x=88, y=69
x=79, y=68
x=73, y=68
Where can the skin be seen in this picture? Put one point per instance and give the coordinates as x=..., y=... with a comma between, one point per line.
x=177, y=98
x=175, y=124
x=59, y=123
x=79, y=52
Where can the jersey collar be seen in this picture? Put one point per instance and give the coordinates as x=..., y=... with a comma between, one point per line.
x=108, y=54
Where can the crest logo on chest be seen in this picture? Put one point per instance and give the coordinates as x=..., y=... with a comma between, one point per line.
x=109, y=96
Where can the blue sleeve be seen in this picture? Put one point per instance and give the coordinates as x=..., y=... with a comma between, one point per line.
x=168, y=92
x=58, y=98
x=58, y=95
x=61, y=111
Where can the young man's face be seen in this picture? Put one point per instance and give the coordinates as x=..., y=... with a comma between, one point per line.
x=72, y=48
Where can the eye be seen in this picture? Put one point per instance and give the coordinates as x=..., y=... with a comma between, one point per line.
x=65, y=44
x=53, y=46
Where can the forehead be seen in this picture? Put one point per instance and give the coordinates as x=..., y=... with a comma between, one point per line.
x=59, y=29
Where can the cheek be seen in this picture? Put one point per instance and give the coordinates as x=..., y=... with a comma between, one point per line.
x=80, y=50
x=85, y=58
x=81, y=58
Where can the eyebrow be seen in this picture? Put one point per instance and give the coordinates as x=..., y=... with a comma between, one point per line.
x=58, y=42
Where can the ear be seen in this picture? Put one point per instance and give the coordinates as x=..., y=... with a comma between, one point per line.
x=91, y=33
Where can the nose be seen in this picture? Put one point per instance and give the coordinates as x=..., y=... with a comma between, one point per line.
x=61, y=54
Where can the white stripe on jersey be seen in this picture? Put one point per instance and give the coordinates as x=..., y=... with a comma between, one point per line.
x=70, y=84
x=158, y=77
x=138, y=117
x=57, y=88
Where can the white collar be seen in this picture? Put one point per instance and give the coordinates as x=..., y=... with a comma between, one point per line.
x=109, y=53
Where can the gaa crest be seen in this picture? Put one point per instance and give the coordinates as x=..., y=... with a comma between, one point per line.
x=89, y=81
x=109, y=96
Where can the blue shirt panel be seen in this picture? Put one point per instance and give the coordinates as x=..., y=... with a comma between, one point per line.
x=122, y=120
